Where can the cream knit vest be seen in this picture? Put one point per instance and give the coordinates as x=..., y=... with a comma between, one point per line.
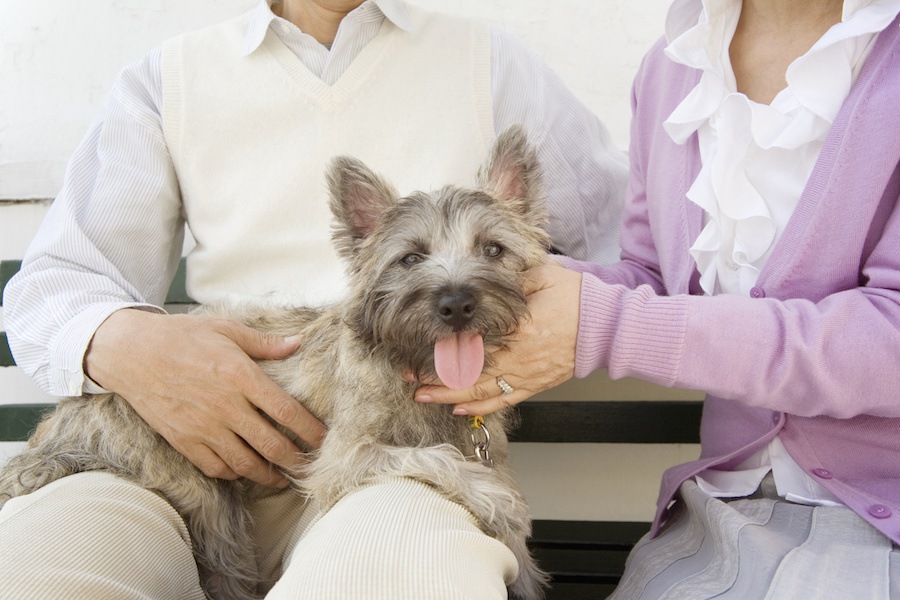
x=250, y=138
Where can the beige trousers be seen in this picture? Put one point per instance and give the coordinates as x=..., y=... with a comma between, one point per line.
x=95, y=536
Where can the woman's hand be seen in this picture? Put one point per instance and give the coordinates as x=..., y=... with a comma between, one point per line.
x=541, y=355
x=194, y=381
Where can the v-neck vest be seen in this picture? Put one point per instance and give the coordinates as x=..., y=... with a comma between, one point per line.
x=251, y=137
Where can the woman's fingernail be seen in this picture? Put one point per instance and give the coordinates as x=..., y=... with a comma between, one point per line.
x=460, y=411
x=423, y=398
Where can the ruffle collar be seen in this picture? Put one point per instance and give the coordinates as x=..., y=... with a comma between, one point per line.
x=736, y=133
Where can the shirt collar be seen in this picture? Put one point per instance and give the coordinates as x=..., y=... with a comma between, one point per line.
x=262, y=17
x=684, y=14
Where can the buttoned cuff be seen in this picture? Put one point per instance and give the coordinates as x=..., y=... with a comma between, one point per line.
x=70, y=345
x=596, y=324
x=632, y=333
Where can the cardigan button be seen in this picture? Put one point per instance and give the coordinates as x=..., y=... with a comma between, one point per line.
x=880, y=511
x=757, y=292
x=776, y=417
x=822, y=473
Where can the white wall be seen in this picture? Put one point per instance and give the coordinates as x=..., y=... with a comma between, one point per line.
x=58, y=59
x=57, y=64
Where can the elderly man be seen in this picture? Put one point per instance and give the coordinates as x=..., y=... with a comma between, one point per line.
x=228, y=130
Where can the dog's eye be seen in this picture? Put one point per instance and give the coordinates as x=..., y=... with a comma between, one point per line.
x=492, y=250
x=412, y=259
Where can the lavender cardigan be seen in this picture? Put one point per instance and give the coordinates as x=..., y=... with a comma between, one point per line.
x=813, y=355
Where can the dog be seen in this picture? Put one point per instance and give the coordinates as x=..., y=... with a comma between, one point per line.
x=435, y=286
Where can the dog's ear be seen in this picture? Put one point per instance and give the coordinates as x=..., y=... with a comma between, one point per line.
x=358, y=198
x=512, y=174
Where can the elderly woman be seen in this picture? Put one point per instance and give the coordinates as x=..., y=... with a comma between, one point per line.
x=761, y=263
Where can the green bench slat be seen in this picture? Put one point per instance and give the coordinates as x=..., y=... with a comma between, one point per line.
x=578, y=591
x=8, y=268
x=639, y=421
x=177, y=292
x=583, y=566
x=585, y=558
x=6, y=357
x=606, y=535
x=17, y=421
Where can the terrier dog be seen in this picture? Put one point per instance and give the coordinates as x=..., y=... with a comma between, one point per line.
x=435, y=286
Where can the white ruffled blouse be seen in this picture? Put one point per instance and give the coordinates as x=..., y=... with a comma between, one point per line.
x=757, y=158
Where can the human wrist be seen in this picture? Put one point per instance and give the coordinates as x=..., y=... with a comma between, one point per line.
x=599, y=303
x=111, y=335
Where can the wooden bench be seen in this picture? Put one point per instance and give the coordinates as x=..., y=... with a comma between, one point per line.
x=585, y=558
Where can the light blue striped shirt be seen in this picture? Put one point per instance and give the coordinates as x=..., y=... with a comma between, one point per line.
x=111, y=236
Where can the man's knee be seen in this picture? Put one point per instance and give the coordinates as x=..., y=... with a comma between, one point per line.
x=398, y=539
x=92, y=534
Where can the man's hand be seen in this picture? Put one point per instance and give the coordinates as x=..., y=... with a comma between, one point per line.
x=193, y=380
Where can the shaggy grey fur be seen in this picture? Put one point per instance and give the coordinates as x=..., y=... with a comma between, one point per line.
x=405, y=255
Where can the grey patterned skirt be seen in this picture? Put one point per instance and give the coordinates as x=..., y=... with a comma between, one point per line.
x=758, y=548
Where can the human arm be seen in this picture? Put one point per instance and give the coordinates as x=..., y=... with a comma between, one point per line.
x=111, y=241
x=835, y=357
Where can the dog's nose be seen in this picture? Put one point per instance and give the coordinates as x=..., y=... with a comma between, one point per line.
x=457, y=309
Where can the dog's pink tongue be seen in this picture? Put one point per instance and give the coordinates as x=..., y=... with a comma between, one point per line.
x=459, y=359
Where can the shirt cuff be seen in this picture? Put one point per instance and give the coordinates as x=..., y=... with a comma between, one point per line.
x=596, y=328
x=68, y=349
x=630, y=332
